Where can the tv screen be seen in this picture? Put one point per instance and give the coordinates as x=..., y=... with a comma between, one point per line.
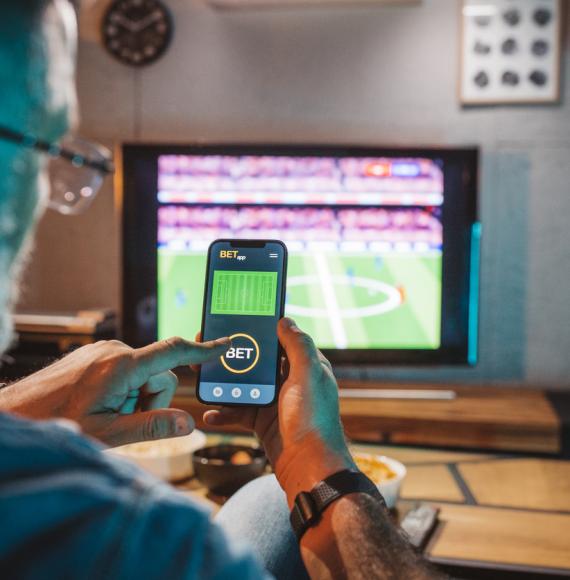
x=380, y=242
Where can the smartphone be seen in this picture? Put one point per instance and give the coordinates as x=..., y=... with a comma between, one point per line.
x=244, y=298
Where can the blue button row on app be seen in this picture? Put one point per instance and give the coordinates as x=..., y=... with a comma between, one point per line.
x=228, y=392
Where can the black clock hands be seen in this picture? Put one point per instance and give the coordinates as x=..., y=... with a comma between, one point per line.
x=137, y=32
x=146, y=22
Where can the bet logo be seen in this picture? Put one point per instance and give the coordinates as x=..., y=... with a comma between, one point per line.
x=243, y=354
x=228, y=254
x=240, y=352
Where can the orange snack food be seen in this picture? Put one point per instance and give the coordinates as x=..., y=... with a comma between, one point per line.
x=373, y=468
x=241, y=458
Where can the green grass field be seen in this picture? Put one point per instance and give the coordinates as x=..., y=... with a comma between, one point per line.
x=342, y=300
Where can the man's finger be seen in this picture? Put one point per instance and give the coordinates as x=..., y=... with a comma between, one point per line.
x=166, y=381
x=159, y=390
x=130, y=404
x=228, y=416
x=173, y=352
x=299, y=346
x=150, y=425
x=197, y=338
x=324, y=360
x=284, y=368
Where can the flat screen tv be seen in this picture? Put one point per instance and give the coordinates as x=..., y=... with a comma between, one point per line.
x=383, y=242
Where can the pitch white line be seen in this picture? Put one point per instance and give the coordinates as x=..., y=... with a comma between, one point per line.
x=393, y=298
x=331, y=304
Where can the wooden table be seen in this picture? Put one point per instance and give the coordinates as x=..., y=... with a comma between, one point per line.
x=501, y=516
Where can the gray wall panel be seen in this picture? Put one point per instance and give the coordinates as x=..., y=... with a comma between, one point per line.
x=359, y=75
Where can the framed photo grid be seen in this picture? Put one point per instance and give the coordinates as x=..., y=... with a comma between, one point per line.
x=510, y=51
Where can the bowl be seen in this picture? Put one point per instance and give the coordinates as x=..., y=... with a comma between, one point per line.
x=224, y=468
x=169, y=459
x=388, y=487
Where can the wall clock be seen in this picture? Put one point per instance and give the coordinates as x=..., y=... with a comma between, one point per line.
x=137, y=32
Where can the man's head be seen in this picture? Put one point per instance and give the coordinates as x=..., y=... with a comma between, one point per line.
x=37, y=67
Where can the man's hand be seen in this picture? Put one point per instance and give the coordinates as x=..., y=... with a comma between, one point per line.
x=302, y=435
x=116, y=394
x=303, y=438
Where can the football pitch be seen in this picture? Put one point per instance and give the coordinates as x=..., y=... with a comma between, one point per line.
x=343, y=300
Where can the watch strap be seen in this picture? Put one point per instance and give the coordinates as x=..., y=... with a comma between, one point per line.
x=309, y=505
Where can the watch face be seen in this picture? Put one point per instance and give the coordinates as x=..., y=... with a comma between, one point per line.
x=137, y=32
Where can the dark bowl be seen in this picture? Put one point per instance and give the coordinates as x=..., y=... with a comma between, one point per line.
x=214, y=469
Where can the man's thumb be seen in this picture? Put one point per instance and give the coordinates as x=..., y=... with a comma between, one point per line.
x=299, y=346
x=150, y=425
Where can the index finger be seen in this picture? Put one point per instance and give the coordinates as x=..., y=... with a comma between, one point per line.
x=174, y=352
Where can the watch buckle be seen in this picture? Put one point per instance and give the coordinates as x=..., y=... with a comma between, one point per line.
x=305, y=507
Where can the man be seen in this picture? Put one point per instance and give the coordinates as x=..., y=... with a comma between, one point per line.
x=67, y=510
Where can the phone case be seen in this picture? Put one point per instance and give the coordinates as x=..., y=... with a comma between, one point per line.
x=280, y=352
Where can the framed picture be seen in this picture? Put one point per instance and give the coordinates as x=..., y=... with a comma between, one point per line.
x=510, y=51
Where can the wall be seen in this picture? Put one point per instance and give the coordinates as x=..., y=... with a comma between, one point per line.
x=361, y=75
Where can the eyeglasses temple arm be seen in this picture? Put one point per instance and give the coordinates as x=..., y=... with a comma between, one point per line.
x=105, y=166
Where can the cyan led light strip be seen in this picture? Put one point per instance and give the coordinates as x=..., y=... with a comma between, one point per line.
x=475, y=265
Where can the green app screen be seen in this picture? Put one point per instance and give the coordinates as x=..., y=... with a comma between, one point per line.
x=243, y=301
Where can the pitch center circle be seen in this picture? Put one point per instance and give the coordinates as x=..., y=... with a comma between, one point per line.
x=392, y=295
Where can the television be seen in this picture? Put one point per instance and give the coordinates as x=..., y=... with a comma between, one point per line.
x=383, y=242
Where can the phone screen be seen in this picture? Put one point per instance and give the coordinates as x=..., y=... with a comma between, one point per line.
x=245, y=297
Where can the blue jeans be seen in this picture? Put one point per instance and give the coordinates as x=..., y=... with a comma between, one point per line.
x=258, y=514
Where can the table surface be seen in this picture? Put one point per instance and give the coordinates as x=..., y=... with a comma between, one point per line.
x=498, y=512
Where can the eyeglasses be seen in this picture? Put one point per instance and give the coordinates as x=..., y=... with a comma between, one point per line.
x=76, y=168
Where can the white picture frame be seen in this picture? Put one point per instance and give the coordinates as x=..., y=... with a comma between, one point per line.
x=510, y=52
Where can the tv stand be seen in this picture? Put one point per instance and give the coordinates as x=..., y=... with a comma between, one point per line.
x=457, y=416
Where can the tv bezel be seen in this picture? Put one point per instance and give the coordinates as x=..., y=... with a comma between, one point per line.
x=139, y=173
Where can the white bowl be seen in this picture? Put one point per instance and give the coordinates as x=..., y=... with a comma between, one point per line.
x=169, y=459
x=390, y=489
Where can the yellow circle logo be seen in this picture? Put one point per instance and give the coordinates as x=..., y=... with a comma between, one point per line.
x=239, y=352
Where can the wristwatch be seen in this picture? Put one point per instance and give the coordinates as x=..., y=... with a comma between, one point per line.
x=309, y=505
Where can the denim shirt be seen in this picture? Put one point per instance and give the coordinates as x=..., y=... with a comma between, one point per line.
x=67, y=510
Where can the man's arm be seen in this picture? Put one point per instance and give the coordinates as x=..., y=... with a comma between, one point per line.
x=305, y=443
x=355, y=539
x=117, y=394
